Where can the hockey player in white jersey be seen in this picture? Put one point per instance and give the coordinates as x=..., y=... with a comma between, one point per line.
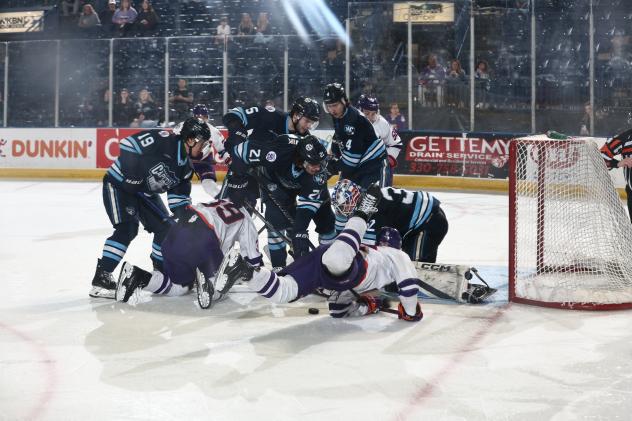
x=371, y=109
x=194, y=247
x=344, y=268
x=215, y=153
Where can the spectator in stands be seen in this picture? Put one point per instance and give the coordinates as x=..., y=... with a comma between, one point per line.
x=146, y=110
x=124, y=18
x=483, y=80
x=599, y=118
x=432, y=79
x=89, y=21
x=66, y=5
x=124, y=109
x=223, y=30
x=181, y=100
x=263, y=30
x=102, y=109
x=334, y=64
x=106, y=15
x=147, y=19
x=456, y=82
x=395, y=118
x=246, y=27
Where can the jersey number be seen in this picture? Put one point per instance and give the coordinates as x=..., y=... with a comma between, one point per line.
x=407, y=196
x=146, y=140
x=227, y=211
x=252, y=110
x=348, y=145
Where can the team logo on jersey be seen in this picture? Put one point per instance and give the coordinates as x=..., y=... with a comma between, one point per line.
x=163, y=133
x=309, y=147
x=193, y=219
x=130, y=210
x=320, y=178
x=271, y=156
x=350, y=130
x=161, y=178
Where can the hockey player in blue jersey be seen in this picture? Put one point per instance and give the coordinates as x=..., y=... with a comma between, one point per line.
x=294, y=195
x=417, y=215
x=205, y=166
x=338, y=268
x=194, y=247
x=151, y=162
x=265, y=124
x=359, y=154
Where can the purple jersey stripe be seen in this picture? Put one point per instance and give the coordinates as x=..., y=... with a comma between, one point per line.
x=408, y=282
x=165, y=283
x=273, y=290
x=271, y=279
x=350, y=241
x=351, y=233
x=408, y=292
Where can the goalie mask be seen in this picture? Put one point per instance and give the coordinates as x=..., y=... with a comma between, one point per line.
x=389, y=237
x=345, y=197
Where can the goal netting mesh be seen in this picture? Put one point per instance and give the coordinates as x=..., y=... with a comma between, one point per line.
x=570, y=235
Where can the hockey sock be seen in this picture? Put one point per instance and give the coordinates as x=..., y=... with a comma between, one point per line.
x=279, y=289
x=408, y=289
x=277, y=248
x=338, y=258
x=114, y=250
x=156, y=255
x=160, y=284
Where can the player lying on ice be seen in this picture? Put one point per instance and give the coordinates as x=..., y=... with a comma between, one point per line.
x=344, y=268
x=193, y=250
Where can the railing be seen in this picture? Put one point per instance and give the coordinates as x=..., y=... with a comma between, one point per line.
x=540, y=61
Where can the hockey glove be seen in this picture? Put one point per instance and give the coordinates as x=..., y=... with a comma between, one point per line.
x=402, y=315
x=300, y=244
x=373, y=304
x=392, y=162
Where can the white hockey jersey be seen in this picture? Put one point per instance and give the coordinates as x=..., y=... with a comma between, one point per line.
x=231, y=224
x=217, y=141
x=389, y=136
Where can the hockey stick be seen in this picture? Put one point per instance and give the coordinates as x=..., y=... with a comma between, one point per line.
x=157, y=211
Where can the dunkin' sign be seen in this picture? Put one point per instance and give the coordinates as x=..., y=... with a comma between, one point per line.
x=47, y=148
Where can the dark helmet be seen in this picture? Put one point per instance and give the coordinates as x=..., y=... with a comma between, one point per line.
x=334, y=92
x=306, y=107
x=311, y=150
x=196, y=128
x=389, y=237
x=200, y=110
x=369, y=103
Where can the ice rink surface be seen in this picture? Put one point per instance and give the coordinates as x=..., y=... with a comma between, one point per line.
x=65, y=356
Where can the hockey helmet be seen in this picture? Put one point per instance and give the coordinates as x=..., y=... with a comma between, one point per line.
x=335, y=92
x=195, y=128
x=310, y=150
x=389, y=237
x=200, y=110
x=369, y=103
x=345, y=197
x=306, y=107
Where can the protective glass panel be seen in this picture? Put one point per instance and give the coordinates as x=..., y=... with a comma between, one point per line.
x=613, y=70
x=441, y=56
x=502, y=85
x=32, y=67
x=83, y=83
x=311, y=65
x=3, y=50
x=255, y=70
x=199, y=62
x=139, y=82
x=379, y=57
x=562, y=65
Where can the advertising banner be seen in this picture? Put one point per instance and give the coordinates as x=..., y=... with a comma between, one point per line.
x=23, y=21
x=475, y=155
x=47, y=148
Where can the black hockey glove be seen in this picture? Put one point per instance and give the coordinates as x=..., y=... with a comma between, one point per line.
x=300, y=244
x=236, y=189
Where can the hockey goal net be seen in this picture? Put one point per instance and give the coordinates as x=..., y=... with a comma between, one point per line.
x=570, y=237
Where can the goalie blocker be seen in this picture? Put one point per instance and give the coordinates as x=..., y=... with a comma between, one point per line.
x=453, y=282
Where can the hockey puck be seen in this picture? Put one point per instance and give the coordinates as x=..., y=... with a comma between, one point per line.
x=313, y=310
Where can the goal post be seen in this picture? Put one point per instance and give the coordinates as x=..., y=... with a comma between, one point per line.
x=570, y=237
